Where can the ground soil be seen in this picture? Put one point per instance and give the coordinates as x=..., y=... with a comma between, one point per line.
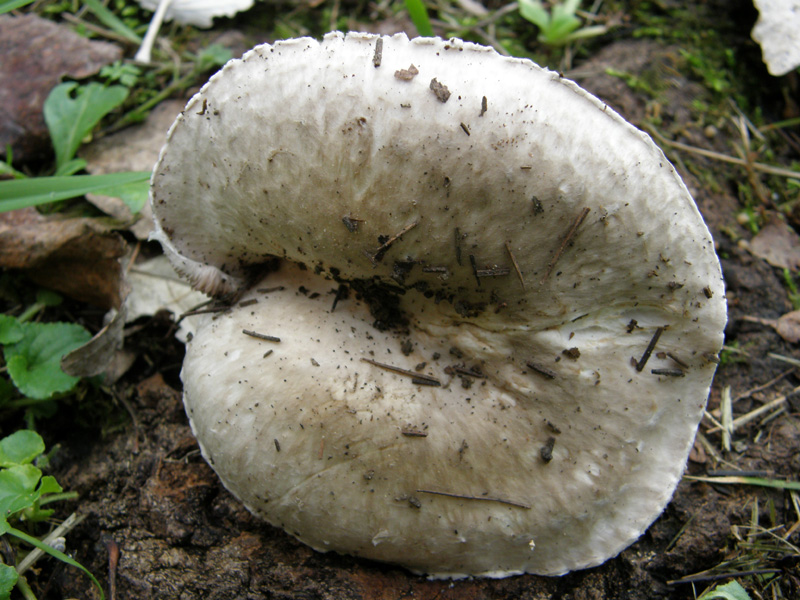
x=146, y=492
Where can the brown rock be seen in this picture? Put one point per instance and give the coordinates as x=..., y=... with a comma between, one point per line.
x=36, y=54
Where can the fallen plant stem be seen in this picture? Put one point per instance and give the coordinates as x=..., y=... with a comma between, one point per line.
x=786, y=359
x=724, y=157
x=701, y=578
x=754, y=414
x=71, y=522
x=137, y=114
x=757, y=481
x=101, y=31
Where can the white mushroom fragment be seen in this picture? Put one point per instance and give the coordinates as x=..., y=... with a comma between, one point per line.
x=491, y=333
x=199, y=13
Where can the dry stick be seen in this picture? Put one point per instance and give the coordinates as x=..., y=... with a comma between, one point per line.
x=541, y=369
x=60, y=531
x=726, y=418
x=754, y=414
x=567, y=238
x=428, y=379
x=113, y=563
x=413, y=433
x=261, y=336
x=514, y=262
x=498, y=272
x=378, y=255
x=701, y=578
x=763, y=387
x=725, y=158
x=469, y=373
x=669, y=372
x=649, y=350
x=484, y=498
x=677, y=360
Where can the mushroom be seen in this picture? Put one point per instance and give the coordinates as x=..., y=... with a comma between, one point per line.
x=476, y=315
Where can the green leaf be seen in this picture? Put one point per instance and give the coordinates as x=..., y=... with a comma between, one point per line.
x=34, y=363
x=70, y=119
x=20, y=448
x=18, y=489
x=8, y=579
x=533, y=11
x=54, y=553
x=419, y=16
x=9, y=5
x=9, y=171
x=50, y=485
x=729, y=591
x=112, y=21
x=214, y=55
x=22, y=193
x=10, y=330
x=71, y=167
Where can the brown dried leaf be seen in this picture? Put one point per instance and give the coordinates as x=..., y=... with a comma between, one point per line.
x=133, y=149
x=788, y=326
x=778, y=244
x=78, y=257
x=96, y=355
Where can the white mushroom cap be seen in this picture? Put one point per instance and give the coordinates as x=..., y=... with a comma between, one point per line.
x=527, y=237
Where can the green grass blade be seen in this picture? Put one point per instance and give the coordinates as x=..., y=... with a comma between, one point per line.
x=419, y=16
x=112, y=21
x=10, y=5
x=20, y=193
x=55, y=554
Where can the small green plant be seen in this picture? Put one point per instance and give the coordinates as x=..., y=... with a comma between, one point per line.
x=729, y=591
x=24, y=491
x=791, y=285
x=9, y=5
x=71, y=113
x=33, y=352
x=559, y=25
x=419, y=16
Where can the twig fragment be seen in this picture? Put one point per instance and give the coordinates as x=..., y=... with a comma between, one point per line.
x=261, y=336
x=516, y=265
x=469, y=497
x=649, y=350
x=381, y=251
x=428, y=379
x=565, y=242
x=542, y=370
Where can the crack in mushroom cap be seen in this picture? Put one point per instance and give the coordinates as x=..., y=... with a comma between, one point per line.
x=523, y=229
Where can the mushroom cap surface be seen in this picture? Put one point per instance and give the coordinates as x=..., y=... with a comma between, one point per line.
x=514, y=380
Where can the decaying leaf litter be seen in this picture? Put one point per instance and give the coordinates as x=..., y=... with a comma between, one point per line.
x=157, y=474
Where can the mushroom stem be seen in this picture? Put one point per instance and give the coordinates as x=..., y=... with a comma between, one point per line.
x=143, y=55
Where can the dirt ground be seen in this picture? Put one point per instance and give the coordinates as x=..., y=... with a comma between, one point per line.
x=146, y=492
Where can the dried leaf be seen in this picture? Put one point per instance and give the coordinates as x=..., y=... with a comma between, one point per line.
x=778, y=244
x=135, y=148
x=154, y=287
x=788, y=326
x=95, y=356
x=78, y=257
